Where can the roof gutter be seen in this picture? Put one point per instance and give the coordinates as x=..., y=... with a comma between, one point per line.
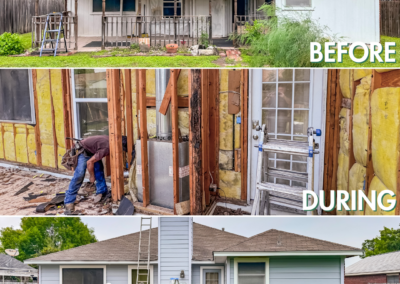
x=372, y=273
x=83, y=262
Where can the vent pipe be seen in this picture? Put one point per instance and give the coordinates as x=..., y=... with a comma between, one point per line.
x=164, y=123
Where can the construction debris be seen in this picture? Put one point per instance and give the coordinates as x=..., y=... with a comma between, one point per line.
x=227, y=211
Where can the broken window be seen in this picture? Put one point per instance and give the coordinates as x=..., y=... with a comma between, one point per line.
x=141, y=277
x=114, y=5
x=91, y=111
x=169, y=8
x=298, y=3
x=82, y=275
x=251, y=272
x=16, y=96
x=286, y=113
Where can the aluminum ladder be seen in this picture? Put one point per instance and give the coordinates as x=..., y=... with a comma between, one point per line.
x=145, y=252
x=285, y=197
x=47, y=35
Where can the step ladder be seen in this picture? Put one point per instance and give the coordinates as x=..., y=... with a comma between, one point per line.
x=283, y=197
x=52, y=19
x=144, y=251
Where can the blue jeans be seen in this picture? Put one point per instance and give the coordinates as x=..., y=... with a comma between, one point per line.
x=79, y=176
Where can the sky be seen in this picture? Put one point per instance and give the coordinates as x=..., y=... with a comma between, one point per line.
x=352, y=231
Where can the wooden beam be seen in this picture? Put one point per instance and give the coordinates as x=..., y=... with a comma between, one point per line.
x=65, y=5
x=114, y=123
x=103, y=30
x=213, y=91
x=37, y=126
x=205, y=133
x=53, y=124
x=168, y=92
x=2, y=139
x=141, y=89
x=245, y=131
x=129, y=114
x=195, y=142
x=76, y=25
x=15, y=144
x=182, y=101
x=138, y=102
x=67, y=108
x=26, y=141
x=175, y=134
x=36, y=7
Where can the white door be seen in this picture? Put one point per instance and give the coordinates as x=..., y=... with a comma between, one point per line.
x=287, y=101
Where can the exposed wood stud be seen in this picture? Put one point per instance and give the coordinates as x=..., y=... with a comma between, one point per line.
x=141, y=89
x=2, y=138
x=205, y=133
x=129, y=114
x=175, y=135
x=15, y=144
x=168, y=92
x=26, y=141
x=37, y=126
x=138, y=102
x=53, y=124
x=67, y=108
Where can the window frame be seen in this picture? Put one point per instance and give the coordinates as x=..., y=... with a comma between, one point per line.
x=104, y=267
x=32, y=101
x=120, y=12
x=222, y=268
x=171, y=1
x=238, y=260
x=75, y=102
x=134, y=267
x=393, y=275
x=297, y=8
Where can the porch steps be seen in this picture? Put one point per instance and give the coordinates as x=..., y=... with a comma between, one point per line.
x=144, y=252
x=57, y=20
x=285, y=197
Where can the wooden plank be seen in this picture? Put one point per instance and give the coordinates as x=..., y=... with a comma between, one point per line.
x=238, y=160
x=37, y=127
x=205, y=133
x=213, y=106
x=2, y=138
x=175, y=133
x=26, y=141
x=168, y=93
x=67, y=109
x=15, y=144
x=389, y=79
x=53, y=124
x=182, y=101
x=244, y=132
x=114, y=122
x=129, y=113
x=141, y=89
x=137, y=103
x=152, y=209
x=182, y=208
x=195, y=142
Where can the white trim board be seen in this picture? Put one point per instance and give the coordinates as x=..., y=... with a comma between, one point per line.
x=372, y=273
x=104, y=267
x=213, y=267
x=290, y=253
x=131, y=267
x=241, y=260
x=83, y=262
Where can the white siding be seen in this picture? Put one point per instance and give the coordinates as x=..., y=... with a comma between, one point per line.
x=174, y=249
x=117, y=274
x=50, y=274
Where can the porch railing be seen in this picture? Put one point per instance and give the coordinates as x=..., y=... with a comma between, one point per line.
x=240, y=21
x=70, y=29
x=123, y=31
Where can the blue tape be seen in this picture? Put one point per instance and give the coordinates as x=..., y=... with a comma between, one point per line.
x=310, y=151
x=260, y=147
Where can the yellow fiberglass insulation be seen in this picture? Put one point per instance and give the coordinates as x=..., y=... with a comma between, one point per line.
x=346, y=82
x=361, y=121
x=356, y=182
x=343, y=159
x=361, y=73
x=378, y=186
x=385, y=116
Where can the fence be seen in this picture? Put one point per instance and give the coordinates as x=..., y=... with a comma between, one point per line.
x=240, y=21
x=16, y=15
x=157, y=30
x=390, y=18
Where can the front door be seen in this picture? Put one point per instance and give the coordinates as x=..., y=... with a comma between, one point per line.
x=287, y=101
x=212, y=276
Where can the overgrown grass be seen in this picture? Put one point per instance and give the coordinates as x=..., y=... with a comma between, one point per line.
x=26, y=40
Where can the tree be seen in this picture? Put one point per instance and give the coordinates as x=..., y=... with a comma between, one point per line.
x=40, y=236
x=388, y=241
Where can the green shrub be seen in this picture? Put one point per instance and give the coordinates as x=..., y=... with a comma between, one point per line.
x=10, y=44
x=283, y=39
x=204, y=40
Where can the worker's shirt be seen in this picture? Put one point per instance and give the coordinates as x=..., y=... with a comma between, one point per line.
x=99, y=146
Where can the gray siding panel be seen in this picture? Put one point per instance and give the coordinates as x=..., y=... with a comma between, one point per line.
x=174, y=248
x=232, y=270
x=117, y=274
x=50, y=274
x=304, y=270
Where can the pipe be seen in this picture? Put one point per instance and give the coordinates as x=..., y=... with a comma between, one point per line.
x=163, y=122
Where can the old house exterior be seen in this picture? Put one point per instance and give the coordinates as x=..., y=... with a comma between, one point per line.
x=195, y=253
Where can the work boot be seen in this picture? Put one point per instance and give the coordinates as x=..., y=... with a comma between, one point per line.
x=69, y=208
x=98, y=198
x=87, y=189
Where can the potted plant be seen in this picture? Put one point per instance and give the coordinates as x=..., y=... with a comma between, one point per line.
x=171, y=48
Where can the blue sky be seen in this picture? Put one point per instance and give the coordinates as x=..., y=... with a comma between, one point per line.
x=350, y=231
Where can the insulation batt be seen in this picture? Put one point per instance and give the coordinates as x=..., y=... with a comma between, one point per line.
x=361, y=121
x=378, y=186
x=385, y=108
x=346, y=82
x=356, y=182
x=361, y=73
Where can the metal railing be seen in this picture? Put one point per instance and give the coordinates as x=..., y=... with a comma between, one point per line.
x=123, y=31
x=70, y=29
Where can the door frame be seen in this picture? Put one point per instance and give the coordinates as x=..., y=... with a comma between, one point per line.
x=212, y=267
x=132, y=267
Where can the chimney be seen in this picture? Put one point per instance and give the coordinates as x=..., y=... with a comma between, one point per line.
x=223, y=229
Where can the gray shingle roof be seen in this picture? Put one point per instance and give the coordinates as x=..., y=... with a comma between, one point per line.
x=8, y=262
x=377, y=264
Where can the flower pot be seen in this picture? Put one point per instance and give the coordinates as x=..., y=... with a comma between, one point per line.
x=172, y=48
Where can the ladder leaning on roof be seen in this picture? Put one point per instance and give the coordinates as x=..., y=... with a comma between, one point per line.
x=49, y=32
x=142, y=261
x=288, y=198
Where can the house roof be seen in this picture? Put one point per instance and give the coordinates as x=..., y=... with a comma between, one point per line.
x=377, y=264
x=206, y=240
x=280, y=241
x=8, y=262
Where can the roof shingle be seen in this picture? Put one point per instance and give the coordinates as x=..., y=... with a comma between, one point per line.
x=382, y=263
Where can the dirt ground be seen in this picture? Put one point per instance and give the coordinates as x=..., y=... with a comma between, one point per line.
x=45, y=185
x=219, y=210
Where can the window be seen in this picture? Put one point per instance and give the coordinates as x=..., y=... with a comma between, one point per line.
x=212, y=278
x=251, y=273
x=82, y=275
x=212, y=274
x=169, y=8
x=394, y=278
x=114, y=5
x=16, y=96
x=141, y=277
x=132, y=274
x=286, y=114
x=90, y=100
x=298, y=3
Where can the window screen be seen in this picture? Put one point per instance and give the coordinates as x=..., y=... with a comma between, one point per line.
x=169, y=8
x=114, y=5
x=392, y=279
x=298, y=3
x=141, y=277
x=251, y=273
x=16, y=100
x=83, y=276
